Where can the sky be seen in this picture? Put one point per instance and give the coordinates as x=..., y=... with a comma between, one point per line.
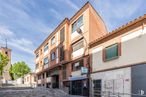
x=26, y=23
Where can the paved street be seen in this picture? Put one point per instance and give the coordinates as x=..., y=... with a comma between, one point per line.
x=38, y=92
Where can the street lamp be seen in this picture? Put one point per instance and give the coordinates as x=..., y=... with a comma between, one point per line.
x=80, y=32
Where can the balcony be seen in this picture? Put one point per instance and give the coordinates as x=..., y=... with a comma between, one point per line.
x=77, y=53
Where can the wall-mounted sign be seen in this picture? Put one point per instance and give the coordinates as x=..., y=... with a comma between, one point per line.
x=84, y=70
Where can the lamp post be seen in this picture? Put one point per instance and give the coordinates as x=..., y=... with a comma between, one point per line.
x=80, y=32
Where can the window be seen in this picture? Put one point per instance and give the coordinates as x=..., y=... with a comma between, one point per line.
x=47, y=74
x=77, y=65
x=39, y=77
x=35, y=79
x=62, y=53
x=53, y=40
x=64, y=72
x=62, y=36
x=46, y=47
x=43, y=75
x=37, y=66
x=111, y=52
x=46, y=61
x=53, y=56
x=77, y=24
x=37, y=55
x=78, y=45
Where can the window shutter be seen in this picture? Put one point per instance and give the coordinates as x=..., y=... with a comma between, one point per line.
x=119, y=49
x=103, y=55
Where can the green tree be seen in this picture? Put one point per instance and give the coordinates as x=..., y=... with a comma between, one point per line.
x=3, y=62
x=19, y=69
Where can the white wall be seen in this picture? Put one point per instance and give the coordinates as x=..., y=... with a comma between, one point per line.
x=117, y=81
x=133, y=50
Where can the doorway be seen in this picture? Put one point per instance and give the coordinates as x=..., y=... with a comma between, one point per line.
x=97, y=88
x=55, y=81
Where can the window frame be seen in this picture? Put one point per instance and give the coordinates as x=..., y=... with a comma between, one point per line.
x=37, y=55
x=62, y=34
x=76, y=44
x=37, y=66
x=81, y=64
x=54, y=56
x=112, y=58
x=53, y=40
x=46, y=47
x=64, y=71
x=76, y=25
x=62, y=53
x=44, y=61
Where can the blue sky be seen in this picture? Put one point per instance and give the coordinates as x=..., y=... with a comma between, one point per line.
x=26, y=23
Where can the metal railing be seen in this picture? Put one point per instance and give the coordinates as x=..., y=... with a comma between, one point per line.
x=98, y=93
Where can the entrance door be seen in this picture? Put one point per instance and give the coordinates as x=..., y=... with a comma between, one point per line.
x=55, y=81
x=97, y=88
x=139, y=80
x=77, y=87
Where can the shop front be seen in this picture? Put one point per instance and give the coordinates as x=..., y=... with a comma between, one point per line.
x=79, y=86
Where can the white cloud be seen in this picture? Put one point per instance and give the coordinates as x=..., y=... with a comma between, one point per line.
x=20, y=17
x=114, y=12
x=21, y=44
x=5, y=32
x=70, y=4
x=56, y=14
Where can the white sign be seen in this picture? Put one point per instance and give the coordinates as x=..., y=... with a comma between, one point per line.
x=84, y=70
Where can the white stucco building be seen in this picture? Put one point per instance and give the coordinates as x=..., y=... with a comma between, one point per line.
x=117, y=56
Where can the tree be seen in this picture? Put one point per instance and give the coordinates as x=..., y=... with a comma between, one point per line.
x=3, y=62
x=19, y=69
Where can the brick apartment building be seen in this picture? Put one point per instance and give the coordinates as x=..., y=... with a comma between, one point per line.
x=60, y=57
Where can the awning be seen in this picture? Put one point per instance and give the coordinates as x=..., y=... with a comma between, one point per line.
x=77, y=78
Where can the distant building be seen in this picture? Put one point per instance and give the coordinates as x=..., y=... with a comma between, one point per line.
x=30, y=79
x=6, y=51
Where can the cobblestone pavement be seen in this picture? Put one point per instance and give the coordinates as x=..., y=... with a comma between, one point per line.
x=38, y=92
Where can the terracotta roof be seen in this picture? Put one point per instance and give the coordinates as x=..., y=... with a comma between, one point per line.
x=118, y=29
